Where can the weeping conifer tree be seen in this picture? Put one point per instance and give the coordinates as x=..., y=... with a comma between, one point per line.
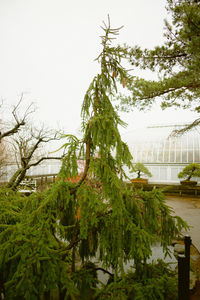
x=96, y=216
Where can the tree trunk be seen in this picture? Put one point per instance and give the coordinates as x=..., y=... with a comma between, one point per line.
x=14, y=178
x=17, y=178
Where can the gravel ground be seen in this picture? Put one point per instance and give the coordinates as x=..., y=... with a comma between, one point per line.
x=188, y=208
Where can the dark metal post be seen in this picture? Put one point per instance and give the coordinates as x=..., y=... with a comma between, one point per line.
x=187, y=241
x=184, y=271
x=181, y=278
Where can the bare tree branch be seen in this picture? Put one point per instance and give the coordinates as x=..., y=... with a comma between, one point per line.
x=18, y=121
x=27, y=145
x=186, y=128
x=45, y=158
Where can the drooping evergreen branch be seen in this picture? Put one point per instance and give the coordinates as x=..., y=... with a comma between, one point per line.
x=87, y=163
x=75, y=238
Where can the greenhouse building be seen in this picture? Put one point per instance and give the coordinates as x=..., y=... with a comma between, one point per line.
x=163, y=153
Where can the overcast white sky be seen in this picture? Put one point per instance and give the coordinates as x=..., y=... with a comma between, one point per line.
x=48, y=49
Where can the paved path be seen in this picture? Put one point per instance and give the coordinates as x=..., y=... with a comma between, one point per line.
x=189, y=209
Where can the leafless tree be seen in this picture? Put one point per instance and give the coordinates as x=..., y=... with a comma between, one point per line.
x=28, y=147
x=19, y=119
x=4, y=157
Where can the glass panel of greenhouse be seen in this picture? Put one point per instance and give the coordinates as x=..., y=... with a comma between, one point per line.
x=162, y=152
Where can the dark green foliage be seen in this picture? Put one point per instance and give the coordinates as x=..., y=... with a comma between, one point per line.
x=157, y=281
x=96, y=216
x=176, y=62
x=86, y=281
x=11, y=205
x=32, y=260
x=140, y=170
x=192, y=170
